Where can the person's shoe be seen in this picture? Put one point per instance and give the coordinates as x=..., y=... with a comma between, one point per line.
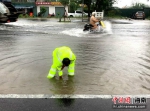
x=49, y=76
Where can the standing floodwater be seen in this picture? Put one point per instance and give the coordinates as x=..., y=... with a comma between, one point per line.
x=116, y=61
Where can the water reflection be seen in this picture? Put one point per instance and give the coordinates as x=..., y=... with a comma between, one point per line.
x=62, y=86
x=65, y=102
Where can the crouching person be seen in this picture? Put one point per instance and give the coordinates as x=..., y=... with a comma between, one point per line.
x=62, y=57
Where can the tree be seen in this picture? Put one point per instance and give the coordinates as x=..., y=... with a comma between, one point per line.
x=138, y=5
x=64, y=2
x=99, y=5
x=88, y=3
x=104, y=4
x=74, y=5
x=42, y=12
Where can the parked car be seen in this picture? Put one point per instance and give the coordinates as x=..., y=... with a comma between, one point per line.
x=13, y=12
x=8, y=13
x=4, y=11
x=139, y=15
x=77, y=13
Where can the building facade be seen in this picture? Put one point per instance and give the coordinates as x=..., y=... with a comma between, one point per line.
x=55, y=8
x=34, y=6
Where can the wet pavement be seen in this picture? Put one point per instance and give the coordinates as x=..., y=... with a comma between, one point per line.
x=116, y=61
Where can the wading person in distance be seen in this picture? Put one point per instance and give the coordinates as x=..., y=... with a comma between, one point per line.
x=62, y=57
x=66, y=16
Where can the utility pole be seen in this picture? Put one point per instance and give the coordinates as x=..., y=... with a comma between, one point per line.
x=82, y=9
x=69, y=7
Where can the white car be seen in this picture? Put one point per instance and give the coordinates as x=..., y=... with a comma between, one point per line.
x=78, y=13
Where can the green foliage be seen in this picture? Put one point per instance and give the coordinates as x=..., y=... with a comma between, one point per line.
x=92, y=5
x=42, y=12
x=98, y=5
x=114, y=12
x=137, y=5
x=64, y=2
x=21, y=16
x=24, y=16
x=74, y=6
x=148, y=17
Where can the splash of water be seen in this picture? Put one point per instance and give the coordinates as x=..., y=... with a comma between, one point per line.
x=78, y=32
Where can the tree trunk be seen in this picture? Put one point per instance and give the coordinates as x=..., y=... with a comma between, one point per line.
x=97, y=6
x=89, y=8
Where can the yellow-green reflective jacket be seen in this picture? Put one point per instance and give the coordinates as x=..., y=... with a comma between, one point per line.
x=58, y=55
x=63, y=52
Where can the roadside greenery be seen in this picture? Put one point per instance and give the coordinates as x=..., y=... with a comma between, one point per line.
x=90, y=5
x=113, y=13
x=138, y=5
x=24, y=16
x=148, y=17
x=42, y=12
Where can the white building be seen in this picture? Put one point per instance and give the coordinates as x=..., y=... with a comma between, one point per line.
x=52, y=7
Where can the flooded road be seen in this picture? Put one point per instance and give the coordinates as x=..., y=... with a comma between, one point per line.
x=116, y=61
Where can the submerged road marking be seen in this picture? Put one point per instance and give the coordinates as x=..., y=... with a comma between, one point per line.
x=67, y=96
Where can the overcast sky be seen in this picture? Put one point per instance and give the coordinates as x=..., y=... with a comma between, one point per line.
x=123, y=3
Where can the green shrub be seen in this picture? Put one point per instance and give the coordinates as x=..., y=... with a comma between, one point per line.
x=24, y=16
x=42, y=12
x=21, y=16
x=148, y=17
